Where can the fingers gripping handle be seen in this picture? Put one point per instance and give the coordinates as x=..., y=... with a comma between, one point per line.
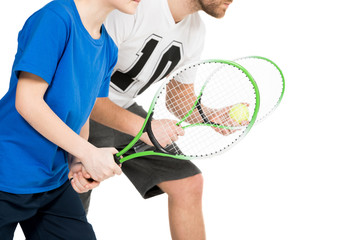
x=117, y=161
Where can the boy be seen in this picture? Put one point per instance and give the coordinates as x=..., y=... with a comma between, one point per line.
x=63, y=63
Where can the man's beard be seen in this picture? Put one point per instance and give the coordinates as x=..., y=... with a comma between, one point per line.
x=213, y=8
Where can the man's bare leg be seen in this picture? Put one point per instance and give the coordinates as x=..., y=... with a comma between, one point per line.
x=185, y=208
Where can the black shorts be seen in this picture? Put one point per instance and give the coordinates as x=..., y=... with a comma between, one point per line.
x=56, y=214
x=144, y=172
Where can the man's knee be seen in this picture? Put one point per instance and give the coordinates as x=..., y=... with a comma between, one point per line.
x=196, y=184
x=190, y=187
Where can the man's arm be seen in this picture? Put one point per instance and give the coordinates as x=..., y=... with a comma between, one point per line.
x=31, y=106
x=111, y=115
x=180, y=99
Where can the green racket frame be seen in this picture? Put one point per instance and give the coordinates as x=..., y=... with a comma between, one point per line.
x=262, y=117
x=120, y=159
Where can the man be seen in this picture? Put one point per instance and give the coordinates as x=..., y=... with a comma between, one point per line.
x=162, y=35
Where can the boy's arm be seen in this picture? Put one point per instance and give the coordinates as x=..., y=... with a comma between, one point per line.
x=32, y=107
x=79, y=177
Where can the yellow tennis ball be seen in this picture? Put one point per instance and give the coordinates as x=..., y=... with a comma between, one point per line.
x=239, y=113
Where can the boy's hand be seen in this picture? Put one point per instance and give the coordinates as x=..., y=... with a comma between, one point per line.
x=99, y=164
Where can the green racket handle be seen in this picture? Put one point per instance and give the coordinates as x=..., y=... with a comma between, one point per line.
x=117, y=159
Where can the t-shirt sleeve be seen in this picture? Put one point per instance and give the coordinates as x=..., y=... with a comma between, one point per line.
x=41, y=43
x=104, y=89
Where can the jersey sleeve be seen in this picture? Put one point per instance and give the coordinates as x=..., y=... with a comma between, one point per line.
x=199, y=43
x=193, y=54
x=41, y=43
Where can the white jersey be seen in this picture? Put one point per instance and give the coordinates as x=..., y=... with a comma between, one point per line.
x=151, y=45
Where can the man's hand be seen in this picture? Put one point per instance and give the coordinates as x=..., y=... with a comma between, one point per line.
x=166, y=131
x=222, y=117
x=80, y=179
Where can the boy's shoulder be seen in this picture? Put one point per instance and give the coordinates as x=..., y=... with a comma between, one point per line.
x=63, y=9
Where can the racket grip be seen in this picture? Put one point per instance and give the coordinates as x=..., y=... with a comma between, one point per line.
x=117, y=159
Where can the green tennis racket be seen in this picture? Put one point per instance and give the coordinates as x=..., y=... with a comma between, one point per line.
x=214, y=102
x=270, y=81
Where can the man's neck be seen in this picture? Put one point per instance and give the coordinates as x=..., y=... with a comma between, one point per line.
x=182, y=8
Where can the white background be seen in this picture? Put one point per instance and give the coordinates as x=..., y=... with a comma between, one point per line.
x=296, y=175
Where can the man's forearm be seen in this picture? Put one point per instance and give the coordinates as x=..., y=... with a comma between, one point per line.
x=111, y=115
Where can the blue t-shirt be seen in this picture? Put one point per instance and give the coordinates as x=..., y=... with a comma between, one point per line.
x=54, y=45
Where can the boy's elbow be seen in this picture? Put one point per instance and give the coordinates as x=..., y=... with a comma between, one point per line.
x=20, y=105
x=24, y=103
